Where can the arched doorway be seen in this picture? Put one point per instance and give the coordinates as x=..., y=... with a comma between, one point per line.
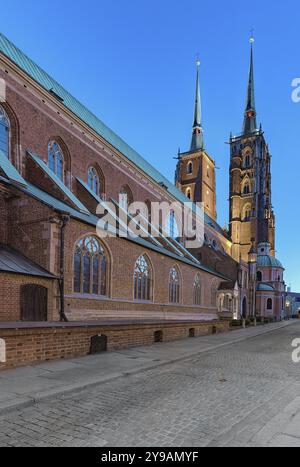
x=34, y=303
x=244, y=308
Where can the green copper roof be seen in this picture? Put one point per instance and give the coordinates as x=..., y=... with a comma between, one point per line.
x=48, y=83
x=265, y=261
x=265, y=288
x=10, y=171
x=68, y=193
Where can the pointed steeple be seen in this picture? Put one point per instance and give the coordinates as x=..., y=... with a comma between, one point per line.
x=250, y=125
x=197, y=138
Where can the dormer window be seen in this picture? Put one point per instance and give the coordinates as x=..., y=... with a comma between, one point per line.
x=4, y=133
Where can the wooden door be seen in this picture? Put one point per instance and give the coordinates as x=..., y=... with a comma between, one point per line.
x=34, y=303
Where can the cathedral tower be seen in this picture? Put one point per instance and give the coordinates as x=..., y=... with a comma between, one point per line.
x=195, y=173
x=251, y=211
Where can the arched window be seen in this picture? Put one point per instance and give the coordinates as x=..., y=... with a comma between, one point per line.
x=174, y=286
x=247, y=161
x=246, y=189
x=142, y=279
x=259, y=276
x=247, y=213
x=125, y=198
x=172, y=228
x=93, y=180
x=56, y=159
x=189, y=168
x=227, y=302
x=270, y=304
x=197, y=290
x=188, y=193
x=4, y=132
x=90, y=267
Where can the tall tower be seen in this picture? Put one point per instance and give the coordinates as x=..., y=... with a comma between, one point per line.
x=195, y=173
x=252, y=219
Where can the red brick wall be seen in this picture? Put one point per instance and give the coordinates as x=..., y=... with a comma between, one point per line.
x=26, y=346
x=29, y=229
x=123, y=255
x=10, y=285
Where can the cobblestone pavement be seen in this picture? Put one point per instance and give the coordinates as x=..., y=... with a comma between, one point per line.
x=244, y=394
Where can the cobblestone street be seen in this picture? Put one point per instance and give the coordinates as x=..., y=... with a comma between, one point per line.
x=245, y=394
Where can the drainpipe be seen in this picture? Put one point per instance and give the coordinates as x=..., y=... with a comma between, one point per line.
x=64, y=219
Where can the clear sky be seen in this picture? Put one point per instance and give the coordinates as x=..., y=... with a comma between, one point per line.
x=132, y=62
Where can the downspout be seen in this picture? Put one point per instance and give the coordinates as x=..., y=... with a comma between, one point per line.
x=64, y=219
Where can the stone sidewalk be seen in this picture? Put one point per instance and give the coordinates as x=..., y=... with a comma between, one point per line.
x=23, y=387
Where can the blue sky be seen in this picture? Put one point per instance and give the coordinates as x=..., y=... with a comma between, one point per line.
x=132, y=62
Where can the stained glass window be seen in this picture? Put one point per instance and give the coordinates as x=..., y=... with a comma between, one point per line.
x=90, y=267
x=142, y=279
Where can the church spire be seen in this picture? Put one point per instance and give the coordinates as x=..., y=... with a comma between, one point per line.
x=197, y=138
x=250, y=125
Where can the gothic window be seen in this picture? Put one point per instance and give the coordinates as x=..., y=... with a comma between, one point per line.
x=172, y=227
x=174, y=286
x=125, y=198
x=259, y=276
x=93, y=180
x=142, y=279
x=247, y=161
x=247, y=213
x=56, y=160
x=4, y=133
x=190, y=168
x=197, y=290
x=270, y=304
x=246, y=189
x=90, y=267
